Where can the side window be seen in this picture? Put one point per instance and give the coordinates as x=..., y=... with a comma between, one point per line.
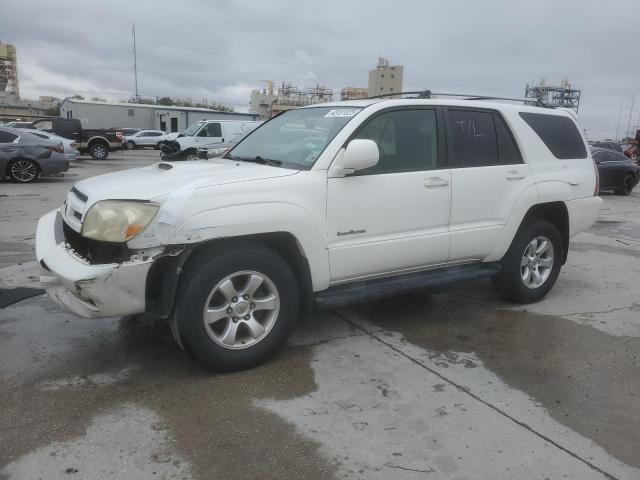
x=507, y=148
x=214, y=130
x=6, y=137
x=154, y=134
x=407, y=141
x=43, y=125
x=559, y=134
x=472, y=139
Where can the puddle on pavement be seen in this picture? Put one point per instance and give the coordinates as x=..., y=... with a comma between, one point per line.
x=587, y=380
x=212, y=418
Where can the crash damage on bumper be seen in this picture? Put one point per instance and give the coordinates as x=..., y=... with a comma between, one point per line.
x=90, y=290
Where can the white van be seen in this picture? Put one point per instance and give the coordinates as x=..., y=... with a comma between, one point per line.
x=207, y=133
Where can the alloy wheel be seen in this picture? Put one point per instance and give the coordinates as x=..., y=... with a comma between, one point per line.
x=241, y=309
x=24, y=171
x=537, y=262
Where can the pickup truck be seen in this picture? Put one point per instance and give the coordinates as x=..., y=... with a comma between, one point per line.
x=97, y=142
x=323, y=206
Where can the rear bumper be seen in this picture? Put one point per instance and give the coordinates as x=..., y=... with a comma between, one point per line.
x=53, y=165
x=91, y=291
x=583, y=213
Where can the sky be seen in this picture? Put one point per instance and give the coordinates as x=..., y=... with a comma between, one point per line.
x=221, y=50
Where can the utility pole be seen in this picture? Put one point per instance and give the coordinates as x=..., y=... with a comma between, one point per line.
x=135, y=60
x=633, y=101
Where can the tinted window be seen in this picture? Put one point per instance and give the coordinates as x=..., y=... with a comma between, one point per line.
x=154, y=134
x=407, y=141
x=559, y=134
x=507, y=148
x=472, y=139
x=6, y=137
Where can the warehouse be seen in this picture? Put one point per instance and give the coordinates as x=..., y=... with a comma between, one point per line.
x=94, y=114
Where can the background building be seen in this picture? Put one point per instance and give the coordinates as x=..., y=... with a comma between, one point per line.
x=94, y=114
x=9, y=70
x=385, y=78
x=267, y=103
x=557, y=95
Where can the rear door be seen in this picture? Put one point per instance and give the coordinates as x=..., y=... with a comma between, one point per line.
x=487, y=177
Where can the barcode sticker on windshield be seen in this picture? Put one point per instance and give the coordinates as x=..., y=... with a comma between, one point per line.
x=342, y=112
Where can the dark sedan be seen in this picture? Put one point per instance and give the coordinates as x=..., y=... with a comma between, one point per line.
x=24, y=156
x=617, y=172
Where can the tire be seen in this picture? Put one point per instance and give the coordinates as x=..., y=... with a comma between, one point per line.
x=191, y=154
x=627, y=186
x=23, y=170
x=517, y=282
x=159, y=146
x=99, y=151
x=216, y=280
x=130, y=145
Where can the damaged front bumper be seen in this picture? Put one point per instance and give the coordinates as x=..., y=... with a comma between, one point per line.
x=91, y=291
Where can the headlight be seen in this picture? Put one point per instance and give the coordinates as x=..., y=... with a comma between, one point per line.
x=114, y=221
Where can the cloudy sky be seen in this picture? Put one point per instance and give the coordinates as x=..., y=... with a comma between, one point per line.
x=221, y=50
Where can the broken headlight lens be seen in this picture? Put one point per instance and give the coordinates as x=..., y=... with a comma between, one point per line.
x=114, y=221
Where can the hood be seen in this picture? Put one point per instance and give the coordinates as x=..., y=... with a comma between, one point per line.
x=163, y=178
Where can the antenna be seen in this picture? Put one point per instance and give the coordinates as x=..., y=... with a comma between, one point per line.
x=135, y=60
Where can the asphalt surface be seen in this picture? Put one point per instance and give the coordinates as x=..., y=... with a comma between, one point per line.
x=450, y=385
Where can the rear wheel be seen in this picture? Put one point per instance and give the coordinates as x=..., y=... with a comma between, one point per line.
x=130, y=145
x=236, y=306
x=627, y=186
x=532, y=265
x=99, y=151
x=24, y=170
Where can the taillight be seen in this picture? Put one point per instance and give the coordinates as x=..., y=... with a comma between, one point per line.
x=119, y=135
x=56, y=149
x=597, y=189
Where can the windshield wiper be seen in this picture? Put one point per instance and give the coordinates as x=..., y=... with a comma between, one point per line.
x=256, y=159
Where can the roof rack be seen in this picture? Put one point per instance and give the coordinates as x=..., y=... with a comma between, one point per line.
x=464, y=96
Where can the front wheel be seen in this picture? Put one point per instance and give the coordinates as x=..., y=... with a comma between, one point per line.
x=130, y=145
x=532, y=264
x=236, y=306
x=98, y=151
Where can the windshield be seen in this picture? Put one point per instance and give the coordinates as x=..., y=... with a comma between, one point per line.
x=295, y=138
x=192, y=129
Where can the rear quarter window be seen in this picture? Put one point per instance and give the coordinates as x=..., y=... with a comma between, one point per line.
x=559, y=134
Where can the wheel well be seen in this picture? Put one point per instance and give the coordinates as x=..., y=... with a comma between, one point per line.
x=162, y=285
x=556, y=213
x=93, y=141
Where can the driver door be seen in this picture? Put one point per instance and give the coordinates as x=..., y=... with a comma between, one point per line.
x=394, y=216
x=209, y=134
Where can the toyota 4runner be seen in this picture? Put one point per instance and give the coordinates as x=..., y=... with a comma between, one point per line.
x=323, y=206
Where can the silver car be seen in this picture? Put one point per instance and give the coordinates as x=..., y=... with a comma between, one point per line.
x=144, y=138
x=24, y=156
x=70, y=146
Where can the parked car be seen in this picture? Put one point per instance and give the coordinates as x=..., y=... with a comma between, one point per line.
x=322, y=206
x=19, y=125
x=128, y=131
x=70, y=146
x=144, y=138
x=617, y=172
x=204, y=134
x=24, y=156
x=97, y=142
x=616, y=147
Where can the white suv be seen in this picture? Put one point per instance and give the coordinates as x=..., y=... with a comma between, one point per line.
x=323, y=206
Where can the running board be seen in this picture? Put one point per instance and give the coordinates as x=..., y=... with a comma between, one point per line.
x=377, y=288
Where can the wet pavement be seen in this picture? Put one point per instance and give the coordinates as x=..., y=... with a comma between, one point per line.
x=450, y=385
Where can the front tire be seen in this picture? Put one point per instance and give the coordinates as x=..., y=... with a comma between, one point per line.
x=99, y=151
x=532, y=264
x=236, y=306
x=130, y=145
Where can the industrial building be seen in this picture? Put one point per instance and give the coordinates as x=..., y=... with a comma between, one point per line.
x=385, y=78
x=267, y=102
x=9, y=70
x=94, y=114
x=562, y=95
x=353, y=93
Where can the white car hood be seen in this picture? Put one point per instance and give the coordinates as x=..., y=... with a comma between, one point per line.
x=160, y=179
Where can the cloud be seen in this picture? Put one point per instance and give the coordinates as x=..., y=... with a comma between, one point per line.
x=220, y=51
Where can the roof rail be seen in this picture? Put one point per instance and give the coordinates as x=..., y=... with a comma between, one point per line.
x=464, y=96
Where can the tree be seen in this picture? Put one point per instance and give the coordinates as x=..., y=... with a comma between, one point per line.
x=167, y=101
x=78, y=97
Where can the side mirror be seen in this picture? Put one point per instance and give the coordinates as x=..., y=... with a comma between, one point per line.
x=358, y=155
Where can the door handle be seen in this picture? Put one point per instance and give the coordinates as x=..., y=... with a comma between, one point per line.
x=432, y=182
x=515, y=175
